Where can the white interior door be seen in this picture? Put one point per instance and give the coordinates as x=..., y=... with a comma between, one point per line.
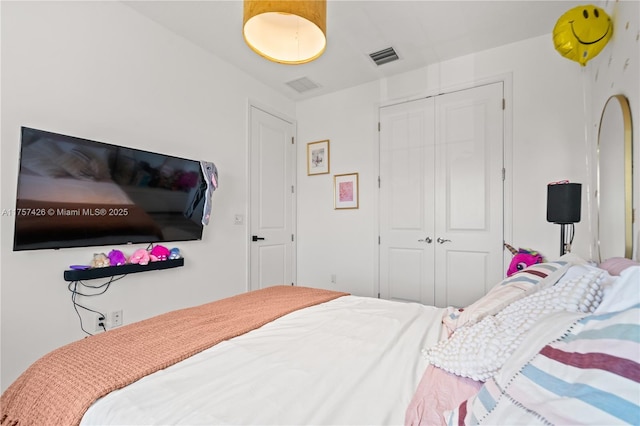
x=469, y=194
x=272, y=211
x=441, y=197
x=406, y=198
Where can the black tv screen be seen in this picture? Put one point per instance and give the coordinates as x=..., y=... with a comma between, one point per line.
x=75, y=192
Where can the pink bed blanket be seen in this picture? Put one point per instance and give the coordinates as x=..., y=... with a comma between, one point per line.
x=59, y=387
x=438, y=391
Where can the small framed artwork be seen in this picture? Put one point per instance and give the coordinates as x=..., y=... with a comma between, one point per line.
x=345, y=191
x=318, y=158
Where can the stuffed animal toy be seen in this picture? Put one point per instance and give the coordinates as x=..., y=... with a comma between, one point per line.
x=100, y=260
x=174, y=253
x=117, y=258
x=140, y=257
x=158, y=253
x=522, y=258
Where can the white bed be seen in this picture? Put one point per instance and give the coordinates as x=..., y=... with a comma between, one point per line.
x=71, y=190
x=64, y=208
x=352, y=360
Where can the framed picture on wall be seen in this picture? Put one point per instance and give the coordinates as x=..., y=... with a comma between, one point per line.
x=318, y=158
x=345, y=191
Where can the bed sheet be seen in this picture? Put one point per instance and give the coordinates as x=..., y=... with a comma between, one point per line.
x=71, y=190
x=353, y=360
x=63, y=209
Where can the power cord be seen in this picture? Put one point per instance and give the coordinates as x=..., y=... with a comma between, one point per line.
x=73, y=288
x=570, y=233
x=573, y=233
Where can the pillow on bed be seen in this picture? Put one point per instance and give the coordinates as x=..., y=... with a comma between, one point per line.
x=39, y=157
x=84, y=164
x=616, y=265
x=589, y=375
x=623, y=292
x=528, y=281
x=478, y=351
x=46, y=157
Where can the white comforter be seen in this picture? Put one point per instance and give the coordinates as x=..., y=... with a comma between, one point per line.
x=351, y=361
x=71, y=190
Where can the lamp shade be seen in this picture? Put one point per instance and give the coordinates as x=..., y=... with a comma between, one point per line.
x=564, y=202
x=288, y=32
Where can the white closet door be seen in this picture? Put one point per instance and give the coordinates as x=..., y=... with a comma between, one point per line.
x=469, y=194
x=406, y=200
x=441, y=197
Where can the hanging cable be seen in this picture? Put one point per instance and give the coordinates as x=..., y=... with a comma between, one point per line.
x=73, y=288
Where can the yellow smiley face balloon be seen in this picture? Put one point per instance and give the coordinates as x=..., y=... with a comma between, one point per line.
x=582, y=32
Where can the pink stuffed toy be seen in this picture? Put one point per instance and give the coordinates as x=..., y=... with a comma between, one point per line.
x=140, y=257
x=522, y=259
x=159, y=253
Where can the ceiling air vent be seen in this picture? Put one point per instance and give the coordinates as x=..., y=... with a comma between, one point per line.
x=302, y=85
x=384, y=56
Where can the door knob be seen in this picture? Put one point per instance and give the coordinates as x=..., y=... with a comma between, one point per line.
x=427, y=240
x=442, y=241
x=256, y=238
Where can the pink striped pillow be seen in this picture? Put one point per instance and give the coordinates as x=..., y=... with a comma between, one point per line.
x=528, y=281
x=616, y=265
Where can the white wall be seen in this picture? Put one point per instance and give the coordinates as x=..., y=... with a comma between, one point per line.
x=101, y=71
x=555, y=109
x=546, y=138
x=616, y=70
x=338, y=242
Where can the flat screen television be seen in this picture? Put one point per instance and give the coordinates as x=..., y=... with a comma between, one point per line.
x=75, y=192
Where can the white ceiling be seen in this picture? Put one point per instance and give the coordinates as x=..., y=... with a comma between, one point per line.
x=423, y=32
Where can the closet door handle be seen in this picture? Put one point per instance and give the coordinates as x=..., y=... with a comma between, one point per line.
x=442, y=241
x=256, y=238
x=427, y=240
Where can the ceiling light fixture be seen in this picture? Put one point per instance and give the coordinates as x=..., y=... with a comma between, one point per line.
x=288, y=32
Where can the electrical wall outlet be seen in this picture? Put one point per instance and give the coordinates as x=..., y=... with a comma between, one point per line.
x=333, y=278
x=101, y=323
x=116, y=318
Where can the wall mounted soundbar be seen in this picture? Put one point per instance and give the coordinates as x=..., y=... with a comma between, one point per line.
x=110, y=271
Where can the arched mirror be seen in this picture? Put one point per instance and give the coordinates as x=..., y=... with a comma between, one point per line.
x=615, y=234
